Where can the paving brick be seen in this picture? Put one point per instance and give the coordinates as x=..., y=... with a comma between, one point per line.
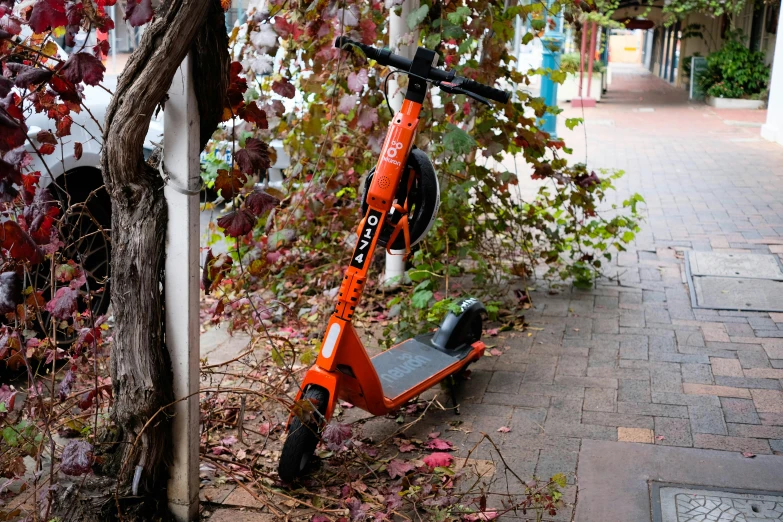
x=527, y=421
x=505, y=382
x=674, y=432
x=741, y=411
x=638, y=374
x=745, y=382
x=755, y=431
x=236, y=515
x=773, y=348
x=634, y=348
x=583, y=431
x=600, y=399
x=553, y=461
x=606, y=326
x=768, y=400
x=753, y=357
x=525, y=400
x=715, y=332
x=617, y=419
x=542, y=373
x=641, y=435
x=572, y=365
x=659, y=344
x=657, y=410
x=633, y=391
x=777, y=316
x=739, y=329
x=707, y=420
x=777, y=446
x=741, y=444
x=689, y=338
x=684, y=399
x=566, y=409
x=771, y=418
x=726, y=367
x=588, y=382
x=666, y=380
x=764, y=373
x=720, y=391
x=552, y=390
x=697, y=373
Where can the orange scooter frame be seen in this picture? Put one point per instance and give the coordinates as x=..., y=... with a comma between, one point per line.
x=343, y=367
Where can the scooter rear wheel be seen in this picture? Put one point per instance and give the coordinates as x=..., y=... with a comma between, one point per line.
x=303, y=437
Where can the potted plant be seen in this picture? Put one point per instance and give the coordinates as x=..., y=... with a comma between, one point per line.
x=735, y=76
x=569, y=89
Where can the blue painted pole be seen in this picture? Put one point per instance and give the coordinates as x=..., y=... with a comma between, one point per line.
x=552, y=49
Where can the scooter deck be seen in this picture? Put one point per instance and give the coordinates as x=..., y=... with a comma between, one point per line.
x=412, y=362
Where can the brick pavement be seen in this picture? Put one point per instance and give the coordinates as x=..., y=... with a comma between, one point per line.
x=631, y=360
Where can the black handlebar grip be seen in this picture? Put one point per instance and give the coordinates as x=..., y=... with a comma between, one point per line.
x=485, y=91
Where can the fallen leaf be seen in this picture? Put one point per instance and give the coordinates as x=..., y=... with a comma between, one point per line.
x=748, y=455
x=659, y=437
x=438, y=460
x=398, y=468
x=439, y=444
x=504, y=429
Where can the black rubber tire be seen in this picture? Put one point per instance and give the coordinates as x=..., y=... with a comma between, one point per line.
x=303, y=438
x=426, y=201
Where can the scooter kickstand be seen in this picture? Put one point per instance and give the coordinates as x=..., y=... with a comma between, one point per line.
x=451, y=383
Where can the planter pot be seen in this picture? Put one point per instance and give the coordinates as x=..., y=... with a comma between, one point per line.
x=569, y=89
x=604, y=82
x=734, y=103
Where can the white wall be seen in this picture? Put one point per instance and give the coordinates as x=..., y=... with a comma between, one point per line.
x=773, y=129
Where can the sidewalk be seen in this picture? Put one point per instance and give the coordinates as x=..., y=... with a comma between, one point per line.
x=631, y=363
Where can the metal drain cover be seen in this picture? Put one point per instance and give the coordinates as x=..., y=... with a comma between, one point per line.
x=756, y=266
x=735, y=281
x=692, y=504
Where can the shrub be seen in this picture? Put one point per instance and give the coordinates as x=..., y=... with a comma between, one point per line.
x=569, y=62
x=735, y=71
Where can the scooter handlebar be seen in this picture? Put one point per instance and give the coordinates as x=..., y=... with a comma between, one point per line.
x=386, y=58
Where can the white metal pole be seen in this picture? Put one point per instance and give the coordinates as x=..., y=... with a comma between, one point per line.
x=181, y=160
x=394, y=273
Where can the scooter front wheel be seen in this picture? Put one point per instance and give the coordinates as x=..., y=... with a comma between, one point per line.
x=303, y=437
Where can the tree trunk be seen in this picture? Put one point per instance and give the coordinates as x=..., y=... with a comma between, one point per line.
x=140, y=363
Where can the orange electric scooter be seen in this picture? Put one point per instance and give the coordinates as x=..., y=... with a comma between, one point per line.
x=399, y=205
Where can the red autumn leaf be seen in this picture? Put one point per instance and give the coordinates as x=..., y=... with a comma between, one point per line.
x=19, y=244
x=46, y=148
x=659, y=437
x=7, y=397
x=63, y=304
x=406, y=447
x=63, y=126
x=284, y=88
x=282, y=26
x=78, y=150
x=101, y=49
x=434, y=435
x=367, y=27
x=47, y=14
x=235, y=94
x=64, y=390
x=77, y=458
x=27, y=75
x=253, y=114
x=74, y=13
x=84, y=67
x=138, y=12
x=439, y=444
x=259, y=202
x=495, y=352
x=357, y=81
x=398, y=468
x=214, y=270
x=336, y=434
x=504, y=429
x=237, y=223
x=46, y=137
x=438, y=460
x=748, y=455
x=230, y=183
x=254, y=157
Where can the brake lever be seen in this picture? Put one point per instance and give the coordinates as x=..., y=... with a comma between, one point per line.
x=453, y=89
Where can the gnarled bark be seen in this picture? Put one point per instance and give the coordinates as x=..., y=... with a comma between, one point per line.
x=140, y=363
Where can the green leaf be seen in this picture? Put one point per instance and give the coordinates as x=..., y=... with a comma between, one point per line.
x=459, y=16
x=558, y=76
x=417, y=16
x=538, y=24
x=573, y=122
x=527, y=38
x=457, y=140
x=421, y=300
x=432, y=41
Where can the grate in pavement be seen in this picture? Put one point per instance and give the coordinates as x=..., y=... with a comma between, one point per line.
x=681, y=503
x=735, y=281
